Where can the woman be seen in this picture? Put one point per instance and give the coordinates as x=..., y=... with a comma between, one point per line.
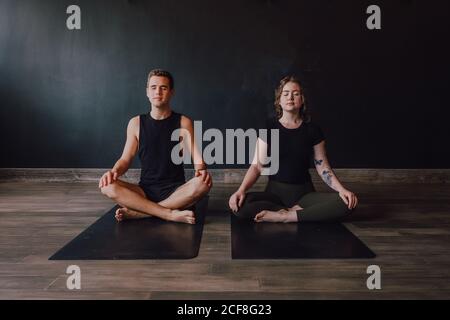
x=290, y=195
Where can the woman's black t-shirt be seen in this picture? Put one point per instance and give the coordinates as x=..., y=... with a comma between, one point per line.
x=295, y=150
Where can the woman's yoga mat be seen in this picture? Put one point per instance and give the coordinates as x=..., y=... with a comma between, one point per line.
x=306, y=240
x=149, y=238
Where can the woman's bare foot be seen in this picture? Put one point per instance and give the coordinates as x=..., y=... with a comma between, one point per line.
x=183, y=216
x=270, y=216
x=283, y=215
x=125, y=214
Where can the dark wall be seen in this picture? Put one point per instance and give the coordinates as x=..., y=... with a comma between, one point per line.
x=380, y=96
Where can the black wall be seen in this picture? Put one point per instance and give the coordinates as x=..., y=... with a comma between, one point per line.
x=381, y=96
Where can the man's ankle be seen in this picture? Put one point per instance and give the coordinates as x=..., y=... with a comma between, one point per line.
x=169, y=215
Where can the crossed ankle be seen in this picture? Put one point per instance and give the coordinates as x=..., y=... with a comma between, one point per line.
x=170, y=215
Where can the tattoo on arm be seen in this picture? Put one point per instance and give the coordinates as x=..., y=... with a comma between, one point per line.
x=327, y=173
x=318, y=162
x=326, y=176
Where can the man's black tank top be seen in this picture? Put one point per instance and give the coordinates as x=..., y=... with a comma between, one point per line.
x=155, y=148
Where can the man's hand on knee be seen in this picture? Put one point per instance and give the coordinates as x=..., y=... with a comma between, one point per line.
x=108, y=178
x=205, y=176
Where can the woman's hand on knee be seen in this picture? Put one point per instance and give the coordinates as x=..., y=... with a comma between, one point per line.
x=236, y=200
x=349, y=198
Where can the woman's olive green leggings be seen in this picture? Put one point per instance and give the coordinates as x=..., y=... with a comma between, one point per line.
x=317, y=206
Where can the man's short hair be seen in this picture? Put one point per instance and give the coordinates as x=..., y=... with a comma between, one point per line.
x=162, y=73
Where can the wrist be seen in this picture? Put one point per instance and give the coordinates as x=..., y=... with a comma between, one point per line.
x=290, y=216
x=241, y=190
x=200, y=167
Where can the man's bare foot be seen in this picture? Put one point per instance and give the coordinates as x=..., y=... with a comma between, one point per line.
x=183, y=216
x=125, y=214
x=283, y=215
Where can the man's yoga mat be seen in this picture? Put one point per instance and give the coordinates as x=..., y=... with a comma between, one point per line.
x=149, y=238
x=306, y=240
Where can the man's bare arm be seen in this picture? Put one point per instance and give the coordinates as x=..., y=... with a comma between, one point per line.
x=191, y=144
x=130, y=149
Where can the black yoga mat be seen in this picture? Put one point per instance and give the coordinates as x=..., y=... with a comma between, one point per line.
x=149, y=238
x=306, y=240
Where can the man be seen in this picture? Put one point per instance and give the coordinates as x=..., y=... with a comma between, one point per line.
x=162, y=191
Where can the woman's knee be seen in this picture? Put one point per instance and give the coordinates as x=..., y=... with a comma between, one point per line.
x=325, y=206
x=244, y=213
x=340, y=206
x=251, y=197
x=255, y=196
x=246, y=209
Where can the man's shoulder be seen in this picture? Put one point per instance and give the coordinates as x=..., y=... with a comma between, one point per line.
x=185, y=121
x=134, y=120
x=134, y=125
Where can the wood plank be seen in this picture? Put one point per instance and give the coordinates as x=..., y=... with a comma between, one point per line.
x=233, y=175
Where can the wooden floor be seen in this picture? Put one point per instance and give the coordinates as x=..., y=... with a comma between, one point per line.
x=407, y=225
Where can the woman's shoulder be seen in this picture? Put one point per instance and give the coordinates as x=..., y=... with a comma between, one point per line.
x=312, y=125
x=315, y=132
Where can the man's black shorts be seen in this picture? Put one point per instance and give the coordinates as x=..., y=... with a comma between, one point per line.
x=159, y=192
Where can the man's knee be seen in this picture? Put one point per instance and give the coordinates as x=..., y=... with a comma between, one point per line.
x=199, y=188
x=110, y=190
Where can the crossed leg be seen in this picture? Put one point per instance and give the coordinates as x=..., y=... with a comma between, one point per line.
x=135, y=205
x=313, y=206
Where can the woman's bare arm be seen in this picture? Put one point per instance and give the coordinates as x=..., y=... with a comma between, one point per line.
x=251, y=176
x=324, y=169
x=329, y=177
x=254, y=171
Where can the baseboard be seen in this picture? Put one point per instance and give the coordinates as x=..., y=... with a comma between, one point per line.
x=230, y=175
